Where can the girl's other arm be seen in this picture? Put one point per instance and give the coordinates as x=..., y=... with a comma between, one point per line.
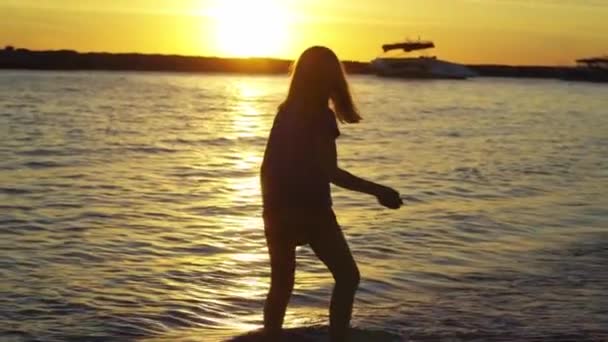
x=329, y=158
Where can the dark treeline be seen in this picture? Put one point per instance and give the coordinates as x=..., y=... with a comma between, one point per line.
x=71, y=60
x=11, y=58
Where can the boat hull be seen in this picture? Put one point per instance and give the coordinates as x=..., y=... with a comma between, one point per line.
x=587, y=75
x=420, y=68
x=419, y=76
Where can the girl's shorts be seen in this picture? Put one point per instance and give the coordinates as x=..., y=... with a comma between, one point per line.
x=298, y=227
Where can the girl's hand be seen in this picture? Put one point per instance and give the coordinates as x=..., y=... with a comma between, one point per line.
x=389, y=198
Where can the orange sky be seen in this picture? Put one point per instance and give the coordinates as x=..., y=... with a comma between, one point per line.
x=545, y=32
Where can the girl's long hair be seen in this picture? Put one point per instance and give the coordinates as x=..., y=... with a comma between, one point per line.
x=317, y=79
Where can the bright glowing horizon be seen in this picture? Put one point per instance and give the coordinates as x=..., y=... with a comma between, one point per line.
x=547, y=32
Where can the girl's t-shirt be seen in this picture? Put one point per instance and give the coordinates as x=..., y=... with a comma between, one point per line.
x=292, y=176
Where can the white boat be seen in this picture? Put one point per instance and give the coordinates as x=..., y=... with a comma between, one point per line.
x=417, y=67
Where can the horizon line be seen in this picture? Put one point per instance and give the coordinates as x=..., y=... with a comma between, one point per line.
x=280, y=59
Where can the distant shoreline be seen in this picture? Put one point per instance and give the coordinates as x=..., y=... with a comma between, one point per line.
x=11, y=58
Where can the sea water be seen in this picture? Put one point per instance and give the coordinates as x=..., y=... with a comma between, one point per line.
x=130, y=208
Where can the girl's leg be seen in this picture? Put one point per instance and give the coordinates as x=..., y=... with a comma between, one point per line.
x=331, y=247
x=282, y=263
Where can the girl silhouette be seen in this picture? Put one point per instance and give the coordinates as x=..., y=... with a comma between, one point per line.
x=299, y=164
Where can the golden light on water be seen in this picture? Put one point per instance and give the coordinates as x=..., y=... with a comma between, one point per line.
x=246, y=122
x=246, y=118
x=245, y=28
x=248, y=90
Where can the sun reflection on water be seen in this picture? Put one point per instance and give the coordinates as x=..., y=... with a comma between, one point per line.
x=246, y=123
x=243, y=191
x=248, y=90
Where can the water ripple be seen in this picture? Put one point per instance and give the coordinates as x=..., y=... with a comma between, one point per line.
x=130, y=209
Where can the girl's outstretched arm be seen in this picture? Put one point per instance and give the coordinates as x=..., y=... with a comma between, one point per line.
x=388, y=197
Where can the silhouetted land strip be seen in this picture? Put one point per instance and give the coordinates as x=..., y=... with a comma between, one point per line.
x=11, y=58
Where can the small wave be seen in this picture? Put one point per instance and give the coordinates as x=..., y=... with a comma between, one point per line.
x=16, y=335
x=71, y=90
x=42, y=164
x=64, y=205
x=12, y=221
x=15, y=191
x=200, y=250
x=183, y=318
x=24, y=105
x=151, y=149
x=39, y=152
x=252, y=140
x=15, y=207
x=451, y=134
x=23, y=228
x=96, y=215
x=83, y=256
x=52, y=152
x=468, y=171
x=536, y=172
x=409, y=198
x=74, y=176
x=198, y=142
x=193, y=173
x=523, y=191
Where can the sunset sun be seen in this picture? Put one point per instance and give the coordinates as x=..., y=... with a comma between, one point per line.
x=250, y=28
